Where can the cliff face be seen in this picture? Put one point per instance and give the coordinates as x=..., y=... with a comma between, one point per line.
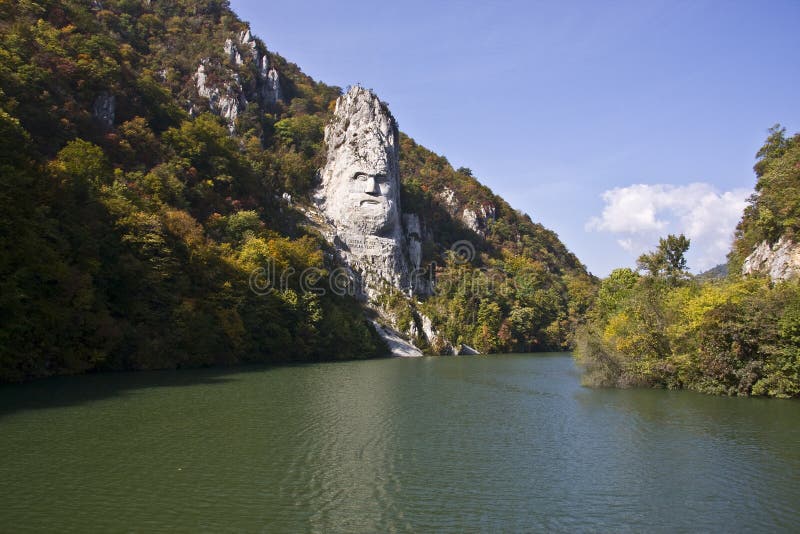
x=400, y=219
x=359, y=195
x=227, y=94
x=766, y=238
x=476, y=217
x=780, y=261
x=360, y=192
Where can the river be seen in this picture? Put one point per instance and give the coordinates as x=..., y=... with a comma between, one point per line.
x=500, y=443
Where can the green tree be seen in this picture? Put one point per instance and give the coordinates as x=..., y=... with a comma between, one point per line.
x=615, y=290
x=489, y=320
x=83, y=165
x=668, y=260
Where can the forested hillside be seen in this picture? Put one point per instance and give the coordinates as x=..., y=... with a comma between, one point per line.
x=129, y=245
x=740, y=335
x=513, y=287
x=148, y=167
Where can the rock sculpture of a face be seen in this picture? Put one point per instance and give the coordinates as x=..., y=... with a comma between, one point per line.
x=360, y=181
x=360, y=192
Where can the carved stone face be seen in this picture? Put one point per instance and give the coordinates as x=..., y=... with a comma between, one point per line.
x=362, y=200
x=360, y=179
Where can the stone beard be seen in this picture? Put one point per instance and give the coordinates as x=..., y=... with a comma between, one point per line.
x=360, y=190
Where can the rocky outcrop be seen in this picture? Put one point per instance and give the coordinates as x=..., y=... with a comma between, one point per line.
x=397, y=345
x=232, y=53
x=420, y=280
x=447, y=198
x=249, y=44
x=359, y=200
x=359, y=196
x=225, y=101
x=270, y=83
x=477, y=219
x=780, y=261
x=227, y=96
x=413, y=233
x=360, y=192
x=427, y=328
x=466, y=350
x=474, y=217
x=104, y=109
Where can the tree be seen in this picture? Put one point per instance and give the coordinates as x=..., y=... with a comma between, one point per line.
x=305, y=133
x=615, y=290
x=242, y=224
x=82, y=164
x=773, y=148
x=668, y=260
x=674, y=250
x=489, y=320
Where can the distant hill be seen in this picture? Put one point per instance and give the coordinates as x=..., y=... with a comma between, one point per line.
x=715, y=273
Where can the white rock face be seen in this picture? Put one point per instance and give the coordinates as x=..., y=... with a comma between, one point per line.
x=420, y=280
x=470, y=220
x=780, y=261
x=233, y=53
x=427, y=328
x=226, y=101
x=249, y=44
x=360, y=192
x=478, y=219
x=105, y=109
x=359, y=195
x=413, y=239
x=271, y=88
x=448, y=198
x=475, y=218
x=466, y=350
x=229, y=97
x=397, y=345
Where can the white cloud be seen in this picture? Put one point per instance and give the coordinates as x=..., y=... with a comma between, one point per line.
x=627, y=244
x=640, y=213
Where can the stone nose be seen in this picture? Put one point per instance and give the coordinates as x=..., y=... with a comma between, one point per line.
x=370, y=187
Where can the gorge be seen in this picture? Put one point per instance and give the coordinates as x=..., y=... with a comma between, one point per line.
x=236, y=298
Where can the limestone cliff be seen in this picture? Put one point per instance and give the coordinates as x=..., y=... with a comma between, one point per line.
x=360, y=193
x=476, y=217
x=781, y=261
x=225, y=92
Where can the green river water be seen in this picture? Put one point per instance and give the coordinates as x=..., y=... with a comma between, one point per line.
x=495, y=444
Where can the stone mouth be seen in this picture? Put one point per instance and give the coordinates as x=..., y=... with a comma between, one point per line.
x=369, y=202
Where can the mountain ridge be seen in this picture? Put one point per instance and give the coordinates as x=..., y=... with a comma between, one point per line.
x=139, y=204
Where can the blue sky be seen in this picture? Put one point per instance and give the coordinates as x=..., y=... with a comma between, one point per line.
x=610, y=122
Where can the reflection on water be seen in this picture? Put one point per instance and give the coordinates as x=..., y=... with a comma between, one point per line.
x=468, y=443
